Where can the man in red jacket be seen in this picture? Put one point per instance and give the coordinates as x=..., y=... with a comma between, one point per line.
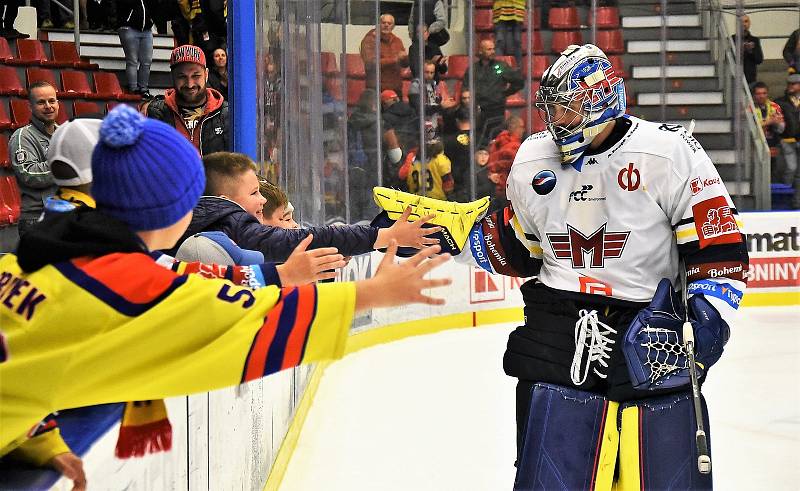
x=501, y=155
x=393, y=56
x=198, y=112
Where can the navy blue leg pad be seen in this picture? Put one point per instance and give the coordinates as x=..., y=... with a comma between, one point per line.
x=562, y=439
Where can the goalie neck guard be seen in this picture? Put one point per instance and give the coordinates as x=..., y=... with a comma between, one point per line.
x=579, y=96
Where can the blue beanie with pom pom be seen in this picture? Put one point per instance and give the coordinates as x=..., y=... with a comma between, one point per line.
x=145, y=173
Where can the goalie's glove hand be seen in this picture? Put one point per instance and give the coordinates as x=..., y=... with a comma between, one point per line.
x=653, y=345
x=454, y=219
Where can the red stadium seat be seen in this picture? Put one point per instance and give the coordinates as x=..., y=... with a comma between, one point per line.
x=355, y=66
x=108, y=87
x=456, y=66
x=483, y=4
x=611, y=41
x=9, y=200
x=483, y=20
x=31, y=52
x=62, y=116
x=6, y=123
x=562, y=39
x=607, y=18
x=564, y=18
x=82, y=108
x=20, y=112
x=538, y=47
x=328, y=63
x=64, y=53
x=6, y=55
x=75, y=84
x=354, y=89
x=540, y=64
x=537, y=19
x=110, y=105
x=5, y=161
x=9, y=82
x=619, y=66
x=46, y=75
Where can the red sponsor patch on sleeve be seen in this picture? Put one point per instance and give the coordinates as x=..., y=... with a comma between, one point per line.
x=715, y=222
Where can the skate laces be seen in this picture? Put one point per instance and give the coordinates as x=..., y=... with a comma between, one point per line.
x=594, y=336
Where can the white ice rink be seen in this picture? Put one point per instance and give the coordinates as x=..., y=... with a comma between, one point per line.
x=436, y=413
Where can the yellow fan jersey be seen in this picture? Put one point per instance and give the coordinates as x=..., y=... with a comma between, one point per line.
x=120, y=328
x=437, y=177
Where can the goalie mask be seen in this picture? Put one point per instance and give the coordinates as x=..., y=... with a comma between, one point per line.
x=579, y=96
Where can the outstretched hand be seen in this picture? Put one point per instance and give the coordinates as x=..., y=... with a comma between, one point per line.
x=400, y=284
x=408, y=234
x=71, y=467
x=304, y=266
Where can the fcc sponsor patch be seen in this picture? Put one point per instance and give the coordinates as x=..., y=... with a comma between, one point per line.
x=544, y=182
x=728, y=269
x=715, y=222
x=723, y=291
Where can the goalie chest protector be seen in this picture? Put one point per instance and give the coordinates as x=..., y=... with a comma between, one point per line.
x=613, y=226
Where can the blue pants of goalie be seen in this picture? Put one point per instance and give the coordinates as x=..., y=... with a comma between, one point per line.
x=576, y=440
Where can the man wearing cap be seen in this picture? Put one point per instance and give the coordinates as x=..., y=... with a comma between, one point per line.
x=28, y=153
x=198, y=112
x=790, y=142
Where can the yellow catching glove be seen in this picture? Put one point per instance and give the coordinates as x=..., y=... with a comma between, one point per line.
x=456, y=219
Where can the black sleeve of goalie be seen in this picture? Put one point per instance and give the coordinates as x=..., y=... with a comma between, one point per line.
x=506, y=254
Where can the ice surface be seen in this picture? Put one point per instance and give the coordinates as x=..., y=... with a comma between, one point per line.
x=437, y=413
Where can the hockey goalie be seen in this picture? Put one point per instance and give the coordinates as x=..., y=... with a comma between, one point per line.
x=609, y=216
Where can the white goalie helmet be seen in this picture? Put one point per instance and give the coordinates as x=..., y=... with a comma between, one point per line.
x=580, y=94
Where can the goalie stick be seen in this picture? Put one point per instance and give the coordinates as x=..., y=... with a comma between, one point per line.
x=703, y=457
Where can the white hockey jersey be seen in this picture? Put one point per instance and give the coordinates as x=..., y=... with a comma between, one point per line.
x=625, y=219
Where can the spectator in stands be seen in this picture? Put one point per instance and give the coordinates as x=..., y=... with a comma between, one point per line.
x=431, y=51
x=28, y=153
x=214, y=15
x=494, y=81
x=277, y=210
x=273, y=90
x=363, y=161
x=449, y=116
x=769, y=115
x=70, y=158
x=456, y=147
x=438, y=179
x=9, y=9
x=791, y=52
x=790, y=143
x=136, y=37
x=393, y=56
x=101, y=15
x=233, y=204
x=752, y=56
x=508, y=17
x=502, y=151
x=198, y=112
x=434, y=98
x=400, y=120
x=218, y=73
x=50, y=15
x=434, y=19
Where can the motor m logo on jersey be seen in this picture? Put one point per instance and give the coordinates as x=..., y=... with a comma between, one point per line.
x=715, y=222
x=600, y=245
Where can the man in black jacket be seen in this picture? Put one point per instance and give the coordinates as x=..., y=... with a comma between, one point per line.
x=198, y=112
x=790, y=139
x=400, y=121
x=752, y=56
x=494, y=81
